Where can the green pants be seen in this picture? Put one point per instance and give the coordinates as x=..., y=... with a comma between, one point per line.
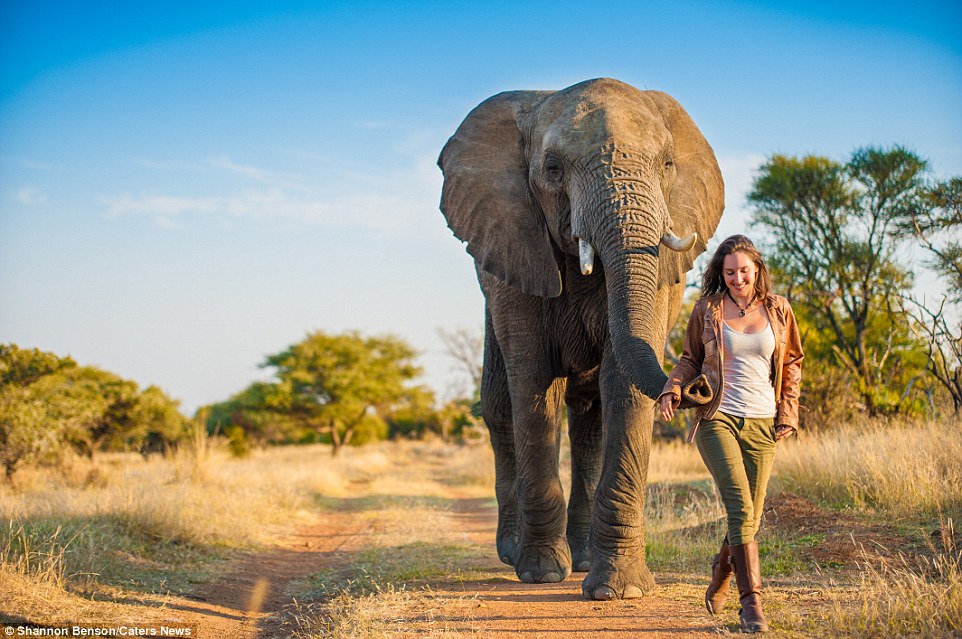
x=739, y=453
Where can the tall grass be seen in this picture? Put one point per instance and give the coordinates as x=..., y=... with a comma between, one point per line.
x=158, y=524
x=40, y=558
x=93, y=525
x=899, y=469
x=897, y=597
x=907, y=471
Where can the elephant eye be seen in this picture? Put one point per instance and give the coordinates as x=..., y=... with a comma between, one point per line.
x=553, y=169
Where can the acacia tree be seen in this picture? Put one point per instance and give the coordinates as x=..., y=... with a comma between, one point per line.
x=333, y=384
x=466, y=347
x=254, y=415
x=49, y=405
x=836, y=231
x=26, y=433
x=937, y=225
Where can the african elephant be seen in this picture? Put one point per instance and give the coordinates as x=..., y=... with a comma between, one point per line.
x=537, y=183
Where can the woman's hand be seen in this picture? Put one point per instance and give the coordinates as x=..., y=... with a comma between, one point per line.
x=668, y=402
x=782, y=431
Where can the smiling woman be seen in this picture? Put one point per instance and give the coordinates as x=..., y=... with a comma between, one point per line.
x=744, y=341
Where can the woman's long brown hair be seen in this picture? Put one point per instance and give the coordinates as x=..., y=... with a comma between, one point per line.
x=713, y=280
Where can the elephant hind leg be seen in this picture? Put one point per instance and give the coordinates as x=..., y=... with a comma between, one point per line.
x=584, y=431
x=496, y=410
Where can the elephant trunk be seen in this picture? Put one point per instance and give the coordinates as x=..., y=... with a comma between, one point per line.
x=628, y=245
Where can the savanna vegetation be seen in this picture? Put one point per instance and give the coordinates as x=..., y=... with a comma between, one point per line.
x=338, y=389
x=858, y=539
x=50, y=407
x=866, y=499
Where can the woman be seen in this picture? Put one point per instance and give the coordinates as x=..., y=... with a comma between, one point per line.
x=743, y=341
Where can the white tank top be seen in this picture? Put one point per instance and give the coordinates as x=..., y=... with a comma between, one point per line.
x=746, y=373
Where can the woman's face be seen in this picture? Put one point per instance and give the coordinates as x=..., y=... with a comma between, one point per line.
x=739, y=271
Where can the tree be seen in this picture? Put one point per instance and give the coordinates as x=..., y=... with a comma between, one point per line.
x=257, y=415
x=97, y=408
x=414, y=415
x=337, y=384
x=26, y=430
x=937, y=225
x=157, y=421
x=50, y=405
x=836, y=233
x=466, y=348
x=102, y=411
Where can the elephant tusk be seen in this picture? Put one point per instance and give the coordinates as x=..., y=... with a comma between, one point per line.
x=587, y=254
x=675, y=243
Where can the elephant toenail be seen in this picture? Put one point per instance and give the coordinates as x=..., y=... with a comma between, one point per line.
x=550, y=578
x=633, y=592
x=604, y=592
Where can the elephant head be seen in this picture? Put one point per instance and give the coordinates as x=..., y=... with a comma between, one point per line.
x=597, y=169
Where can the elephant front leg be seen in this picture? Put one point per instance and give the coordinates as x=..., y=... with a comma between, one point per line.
x=536, y=387
x=543, y=555
x=496, y=410
x=618, y=566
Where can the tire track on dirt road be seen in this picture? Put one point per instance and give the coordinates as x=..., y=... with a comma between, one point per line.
x=254, y=599
x=248, y=601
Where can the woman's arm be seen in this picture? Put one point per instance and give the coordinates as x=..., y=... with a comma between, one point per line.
x=791, y=374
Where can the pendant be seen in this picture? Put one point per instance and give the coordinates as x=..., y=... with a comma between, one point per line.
x=741, y=311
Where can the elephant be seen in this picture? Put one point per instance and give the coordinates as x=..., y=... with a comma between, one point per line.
x=539, y=184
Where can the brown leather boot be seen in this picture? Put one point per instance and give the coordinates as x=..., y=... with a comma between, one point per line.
x=748, y=577
x=721, y=575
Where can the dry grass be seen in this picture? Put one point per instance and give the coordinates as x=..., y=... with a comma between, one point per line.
x=675, y=461
x=385, y=612
x=89, y=527
x=907, y=473
x=160, y=524
x=901, y=470
x=898, y=597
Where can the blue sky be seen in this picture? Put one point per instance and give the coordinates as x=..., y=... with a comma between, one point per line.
x=188, y=187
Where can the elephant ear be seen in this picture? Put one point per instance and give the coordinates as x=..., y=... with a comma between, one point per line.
x=486, y=199
x=697, y=196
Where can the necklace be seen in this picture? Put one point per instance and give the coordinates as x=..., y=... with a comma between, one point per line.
x=741, y=311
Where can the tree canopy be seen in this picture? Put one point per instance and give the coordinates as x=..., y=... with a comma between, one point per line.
x=49, y=404
x=341, y=386
x=937, y=225
x=837, y=231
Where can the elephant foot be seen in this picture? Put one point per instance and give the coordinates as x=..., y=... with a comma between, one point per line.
x=619, y=577
x=543, y=564
x=508, y=549
x=580, y=562
x=580, y=555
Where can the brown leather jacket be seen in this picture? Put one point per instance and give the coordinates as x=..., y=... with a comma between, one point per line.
x=702, y=354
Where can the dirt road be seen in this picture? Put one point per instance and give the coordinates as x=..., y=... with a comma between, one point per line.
x=255, y=597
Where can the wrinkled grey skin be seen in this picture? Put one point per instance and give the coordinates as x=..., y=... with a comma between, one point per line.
x=527, y=173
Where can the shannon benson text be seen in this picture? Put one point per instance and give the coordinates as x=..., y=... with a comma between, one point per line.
x=99, y=631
